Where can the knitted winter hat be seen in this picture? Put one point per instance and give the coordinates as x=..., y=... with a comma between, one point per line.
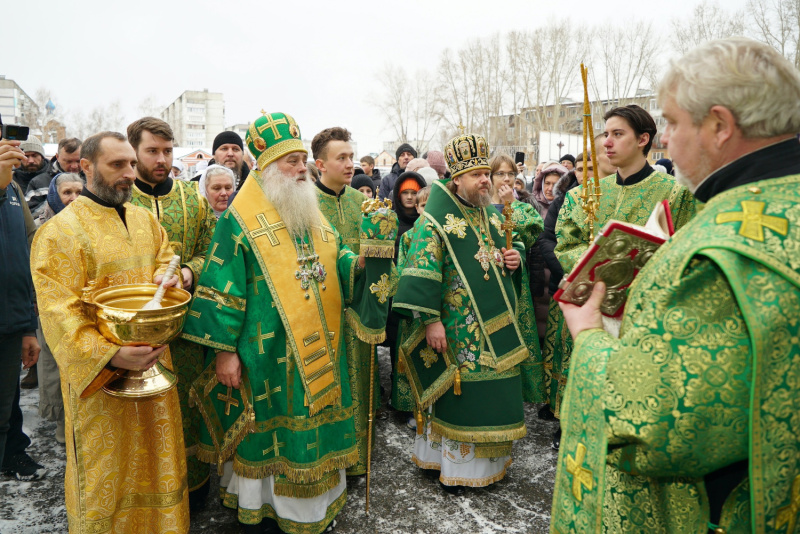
x=227, y=138
x=405, y=147
x=436, y=161
x=32, y=144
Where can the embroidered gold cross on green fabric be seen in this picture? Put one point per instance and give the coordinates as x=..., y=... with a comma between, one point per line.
x=753, y=220
x=580, y=475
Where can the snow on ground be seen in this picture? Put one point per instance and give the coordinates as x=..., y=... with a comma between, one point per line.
x=403, y=498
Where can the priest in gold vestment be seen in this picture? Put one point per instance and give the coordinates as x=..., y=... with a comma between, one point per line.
x=126, y=464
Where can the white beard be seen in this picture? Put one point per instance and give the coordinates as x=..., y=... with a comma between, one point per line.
x=296, y=202
x=684, y=180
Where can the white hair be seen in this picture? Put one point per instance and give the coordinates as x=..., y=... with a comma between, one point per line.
x=752, y=80
x=296, y=202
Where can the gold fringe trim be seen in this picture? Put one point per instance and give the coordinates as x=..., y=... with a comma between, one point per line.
x=479, y=435
x=475, y=482
x=222, y=453
x=497, y=323
x=371, y=250
x=284, y=488
x=511, y=359
x=371, y=336
x=295, y=474
x=436, y=393
x=330, y=398
x=492, y=450
x=425, y=465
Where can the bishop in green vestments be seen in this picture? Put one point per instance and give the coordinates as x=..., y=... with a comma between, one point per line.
x=276, y=397
x=460, y=286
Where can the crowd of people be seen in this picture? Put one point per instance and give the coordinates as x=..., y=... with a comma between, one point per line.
x=683, y=418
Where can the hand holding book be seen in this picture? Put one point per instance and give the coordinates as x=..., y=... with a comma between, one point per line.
x=617, y=255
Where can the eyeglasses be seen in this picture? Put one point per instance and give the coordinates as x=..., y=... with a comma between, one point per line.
x=504, y=174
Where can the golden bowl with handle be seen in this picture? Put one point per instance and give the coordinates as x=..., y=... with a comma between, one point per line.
x=122, y=321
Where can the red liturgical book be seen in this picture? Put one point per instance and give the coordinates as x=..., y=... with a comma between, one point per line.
x=617, y=255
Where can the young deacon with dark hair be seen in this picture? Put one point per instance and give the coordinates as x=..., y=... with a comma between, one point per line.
x=629, y=195
x=341, y=205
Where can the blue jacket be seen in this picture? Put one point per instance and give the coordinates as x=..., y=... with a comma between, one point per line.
x=17, y=313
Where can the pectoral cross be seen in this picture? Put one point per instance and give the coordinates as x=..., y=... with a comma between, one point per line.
x=580, y=475
x=268, y=394
x=228, y=400
x=484, y=257
x=303, y=274
x=276, y=446
x=273, y=124
x=259, y=338
x=753, y=220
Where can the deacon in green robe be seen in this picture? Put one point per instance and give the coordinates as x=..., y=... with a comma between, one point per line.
x=459, y=286
x=341, y=205
x=270, y=303
x=628, y=195
x=189, y=222
x=688, y=423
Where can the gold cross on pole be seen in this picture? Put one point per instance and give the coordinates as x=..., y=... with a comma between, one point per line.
x=260, y=338
x=753, y=220
x=268, y=394
x=267, y=230
x=580, y=475
x=276, y=446
x=461, y=127
x=273, y=125
x=787, y=515
x=228, y=400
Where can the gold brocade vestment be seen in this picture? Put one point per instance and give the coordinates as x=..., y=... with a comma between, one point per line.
x=126, y=466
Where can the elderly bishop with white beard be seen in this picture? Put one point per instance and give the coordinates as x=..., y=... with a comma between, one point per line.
x=275, y=396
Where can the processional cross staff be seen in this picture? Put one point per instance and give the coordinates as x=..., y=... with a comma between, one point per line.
x=591, y=193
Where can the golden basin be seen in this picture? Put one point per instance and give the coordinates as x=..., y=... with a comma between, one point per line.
x=122, y=321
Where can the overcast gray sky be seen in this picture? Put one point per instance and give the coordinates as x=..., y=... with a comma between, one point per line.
x=316, y=60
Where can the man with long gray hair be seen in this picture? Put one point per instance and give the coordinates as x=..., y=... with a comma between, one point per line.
x=275, y=395
x=689, y=421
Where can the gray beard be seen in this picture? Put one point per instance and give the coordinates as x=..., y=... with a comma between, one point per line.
x=683, y=180
x=296, y=202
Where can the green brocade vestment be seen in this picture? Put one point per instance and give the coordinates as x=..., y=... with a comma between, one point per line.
x=629, y=203
x=344, y=213
x=267, y=427
x=706, y=373
x=441, y=280
x=189, y=222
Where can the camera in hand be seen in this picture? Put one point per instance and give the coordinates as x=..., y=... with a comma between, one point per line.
x=13, y=132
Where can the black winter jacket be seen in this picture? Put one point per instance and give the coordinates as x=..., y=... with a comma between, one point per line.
x=18, y=314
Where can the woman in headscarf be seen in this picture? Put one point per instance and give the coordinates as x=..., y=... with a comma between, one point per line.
x=64, y=188
x=217, y=184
